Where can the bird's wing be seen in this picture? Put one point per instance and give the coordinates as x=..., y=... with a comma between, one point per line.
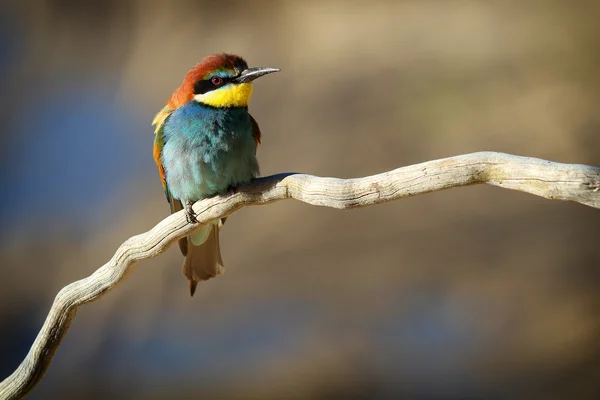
x=255, y=130
x=159, y=142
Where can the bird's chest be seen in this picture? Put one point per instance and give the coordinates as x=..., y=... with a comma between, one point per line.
x=206, y=151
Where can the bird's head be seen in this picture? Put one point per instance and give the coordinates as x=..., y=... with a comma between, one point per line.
x=220, y=80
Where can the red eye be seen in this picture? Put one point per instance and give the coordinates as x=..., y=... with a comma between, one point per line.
x=216, y=80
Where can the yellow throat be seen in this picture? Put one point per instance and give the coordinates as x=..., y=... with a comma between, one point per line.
x=227, y=96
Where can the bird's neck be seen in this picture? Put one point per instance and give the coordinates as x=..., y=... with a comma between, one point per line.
x=209, y=116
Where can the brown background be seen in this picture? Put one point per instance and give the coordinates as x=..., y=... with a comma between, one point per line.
x=469, y=293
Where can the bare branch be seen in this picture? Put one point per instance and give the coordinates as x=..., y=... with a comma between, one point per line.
x=568, y=182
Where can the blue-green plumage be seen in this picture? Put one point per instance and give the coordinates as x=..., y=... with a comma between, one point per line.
x=207, y=150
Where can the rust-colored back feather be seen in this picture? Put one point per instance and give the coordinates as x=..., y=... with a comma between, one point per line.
x=255, y=130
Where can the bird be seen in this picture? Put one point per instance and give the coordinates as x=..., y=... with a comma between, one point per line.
x=205, y=143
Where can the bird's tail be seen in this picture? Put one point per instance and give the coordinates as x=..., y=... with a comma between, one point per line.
x=203, y=259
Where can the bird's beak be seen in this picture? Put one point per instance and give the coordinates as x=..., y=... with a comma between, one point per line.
x=251, y=74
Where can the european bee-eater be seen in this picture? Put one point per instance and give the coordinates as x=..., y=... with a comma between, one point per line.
x=205, y=143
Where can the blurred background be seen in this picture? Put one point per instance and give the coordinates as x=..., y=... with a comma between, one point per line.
x=469, y=293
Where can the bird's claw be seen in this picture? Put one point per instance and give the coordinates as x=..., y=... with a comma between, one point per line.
x=190, y=215
x=231, y=190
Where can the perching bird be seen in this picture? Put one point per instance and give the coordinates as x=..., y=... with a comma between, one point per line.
x=205, y=143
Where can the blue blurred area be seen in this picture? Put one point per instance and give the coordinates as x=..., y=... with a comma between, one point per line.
x=11, y=39
x=252, y=338
x=73, y=149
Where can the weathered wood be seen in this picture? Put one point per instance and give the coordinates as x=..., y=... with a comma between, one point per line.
x=568, y=182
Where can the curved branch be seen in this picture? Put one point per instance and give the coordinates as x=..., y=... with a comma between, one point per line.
x=569, y=182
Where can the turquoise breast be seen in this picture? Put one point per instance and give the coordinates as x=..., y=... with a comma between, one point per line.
x=207, y=150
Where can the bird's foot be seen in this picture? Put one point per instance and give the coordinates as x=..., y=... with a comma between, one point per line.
x=231, y=190
x=190, y=215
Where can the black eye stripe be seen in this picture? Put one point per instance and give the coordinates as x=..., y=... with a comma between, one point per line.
x=206, y=85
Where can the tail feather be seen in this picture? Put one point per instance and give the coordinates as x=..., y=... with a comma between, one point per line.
x=204, y=261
